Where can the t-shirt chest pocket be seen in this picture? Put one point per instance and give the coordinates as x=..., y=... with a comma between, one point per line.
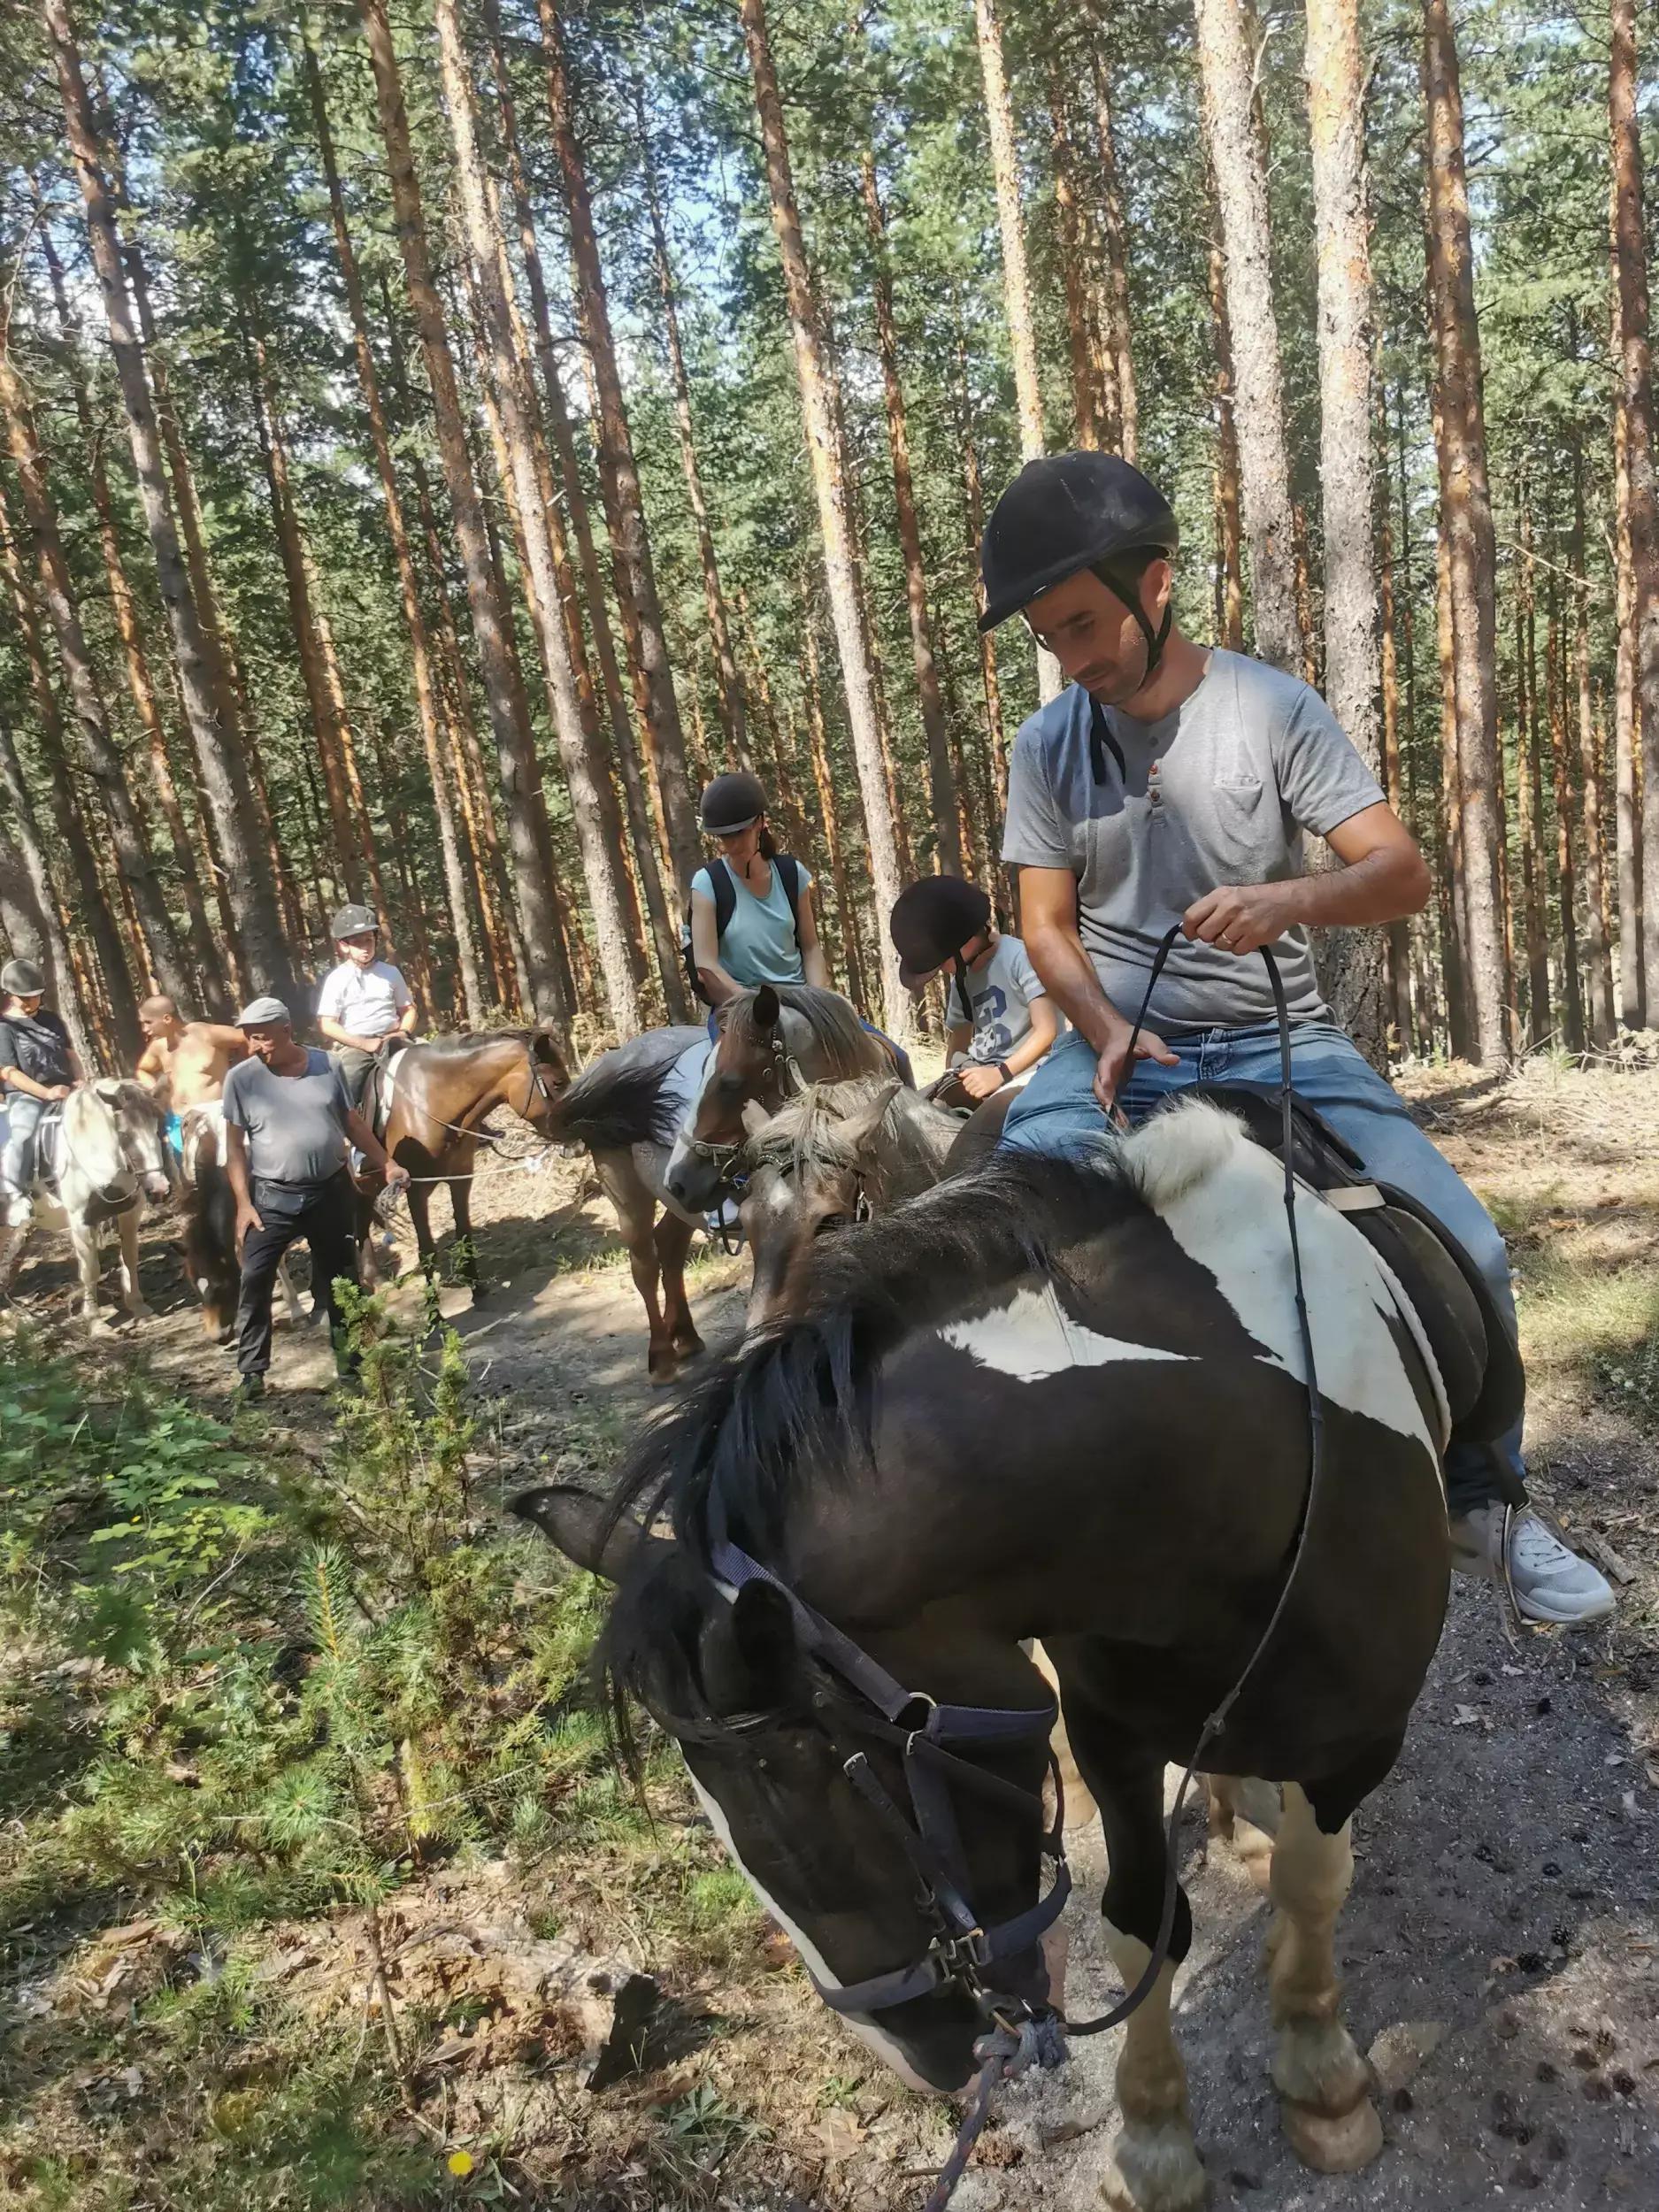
x=1249, y=829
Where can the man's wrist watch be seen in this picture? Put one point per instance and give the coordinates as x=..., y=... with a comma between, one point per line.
x=1001, y=1068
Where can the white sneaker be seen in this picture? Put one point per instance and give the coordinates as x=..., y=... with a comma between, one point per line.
x=1550, y=1583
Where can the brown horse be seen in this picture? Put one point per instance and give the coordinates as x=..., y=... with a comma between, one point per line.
x=771, y=1043
x=429, y=1106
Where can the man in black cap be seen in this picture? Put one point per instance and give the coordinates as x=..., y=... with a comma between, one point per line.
x=363, y=1002
x=288, y=1124
x=38, y=1067
x=999, y=1019
x=1173, y=781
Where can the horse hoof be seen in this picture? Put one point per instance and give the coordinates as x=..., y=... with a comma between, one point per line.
x=1155, y=2168
x=663, y=1369
x=1334, y=2144
x=689, y=1348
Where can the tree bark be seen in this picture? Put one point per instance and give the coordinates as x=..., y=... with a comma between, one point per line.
x=1566, y=873
x=428, y=703
x=846, y=915
x=140, y=682
x=100, y=758
x=1467, y=502
x=527, y=477
x=1229, y=495
x=1630, y=260
x=941, y=779
x=1022, y=326
x=214, y=728
x=973, y=515
x=1116, y=237
x=1599, y=966
x=728, y=686
x=1227, y=67
x=1627, y=741
x=1353, y=674
x=1089, y=404
x=38, y=876
x=829, y=477
x=520, y=773
x=1398, y=992
x=621, y=475
x=95, y=918
x=1529, y=794
x=1454, y=913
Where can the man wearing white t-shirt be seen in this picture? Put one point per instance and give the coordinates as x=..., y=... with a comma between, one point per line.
x=363, y=1002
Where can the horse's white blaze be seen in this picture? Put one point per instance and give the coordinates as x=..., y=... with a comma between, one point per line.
x=883, y=2046
x=1230, y=1218
x=1033, y=1337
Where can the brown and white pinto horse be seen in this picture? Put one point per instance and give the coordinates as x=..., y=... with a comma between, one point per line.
x=429, y=1106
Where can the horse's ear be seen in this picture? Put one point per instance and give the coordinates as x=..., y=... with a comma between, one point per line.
x=547, y=1045
x=574, y=1521
x=767, y=1009
x=747, y=1650
x=859, y=1126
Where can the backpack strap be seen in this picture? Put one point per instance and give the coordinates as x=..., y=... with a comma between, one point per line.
x=789, y=875
x=722, y=883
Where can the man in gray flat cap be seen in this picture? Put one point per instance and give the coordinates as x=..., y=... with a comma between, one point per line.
x=288, y=1126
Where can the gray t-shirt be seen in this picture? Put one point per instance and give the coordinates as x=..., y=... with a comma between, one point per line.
x=1000, y=994
x=1218, y=792
x=295, y=1125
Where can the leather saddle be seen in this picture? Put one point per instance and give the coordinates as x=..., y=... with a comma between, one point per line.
x=1470, y=1338
x=377, y=1091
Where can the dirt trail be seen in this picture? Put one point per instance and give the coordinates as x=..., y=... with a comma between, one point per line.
x=1507, y=1884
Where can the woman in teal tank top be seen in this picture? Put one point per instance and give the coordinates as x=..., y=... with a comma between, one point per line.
x=764, y=940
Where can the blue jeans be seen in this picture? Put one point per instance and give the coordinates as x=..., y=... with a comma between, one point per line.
x=1057, y=1112
x=20, y=1116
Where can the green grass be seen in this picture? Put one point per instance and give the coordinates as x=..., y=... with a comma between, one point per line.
x=1598, y=1322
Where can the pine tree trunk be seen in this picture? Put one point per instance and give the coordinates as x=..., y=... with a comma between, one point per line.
x=96, y=744
x=1599, y=966
x=620, y=475
x=38, y=872
x=1016, y=294
x=1529, y=795
x=520, y=774
x=1630, y=260
x=1229, y=496
x=829, y=477
x=1399, y=935
x=728, y=686
x=1467, y=503
x=140, y=684
x=1227, y=67
x=347, y=878
x=846, y=914
x=1453, y=889
x=1117, y=233
x=529, y=475
x=1626, y=743
x=941, y=778
x=95, y=918
x=214, y=730
x=1353, y=675
x=973, y=514
x=1571, y=1026
x=1087, y=401
x=427, y=702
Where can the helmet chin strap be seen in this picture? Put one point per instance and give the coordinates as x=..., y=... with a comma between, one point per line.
x=1156, y=639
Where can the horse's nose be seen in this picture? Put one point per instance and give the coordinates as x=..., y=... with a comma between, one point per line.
x=156, y=1187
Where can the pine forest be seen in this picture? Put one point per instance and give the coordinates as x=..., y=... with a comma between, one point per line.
x=439, y=435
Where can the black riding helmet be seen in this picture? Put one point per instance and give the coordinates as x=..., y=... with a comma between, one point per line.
x=731, y=803
x=931, y=922
x=1069, y=512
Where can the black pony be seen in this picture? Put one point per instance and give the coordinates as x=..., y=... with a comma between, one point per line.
x=1060, y=1401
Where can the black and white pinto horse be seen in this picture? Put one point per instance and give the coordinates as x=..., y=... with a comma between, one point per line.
x=98, y=1164
x=1059, y=1400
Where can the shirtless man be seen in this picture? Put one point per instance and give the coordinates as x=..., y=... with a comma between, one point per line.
x=185, y=1063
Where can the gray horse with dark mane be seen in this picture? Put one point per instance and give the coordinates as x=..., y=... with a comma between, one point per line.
x=1062, y=1400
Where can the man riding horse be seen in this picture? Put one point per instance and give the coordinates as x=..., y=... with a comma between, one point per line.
x=1171, y=780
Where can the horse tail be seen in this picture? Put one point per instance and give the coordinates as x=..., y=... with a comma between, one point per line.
x=620, y=1101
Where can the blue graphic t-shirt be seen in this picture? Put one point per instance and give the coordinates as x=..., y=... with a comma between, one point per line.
x=1001, y=992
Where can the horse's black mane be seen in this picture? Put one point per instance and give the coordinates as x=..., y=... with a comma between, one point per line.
x=794, y=1407
x=618, y=1100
